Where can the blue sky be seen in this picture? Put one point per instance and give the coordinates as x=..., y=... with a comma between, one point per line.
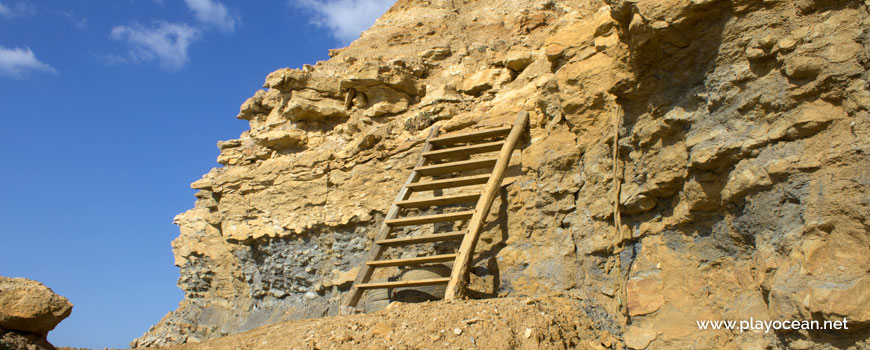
x=110, y=109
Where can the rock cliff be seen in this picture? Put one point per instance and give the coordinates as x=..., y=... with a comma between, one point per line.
x=734, y=134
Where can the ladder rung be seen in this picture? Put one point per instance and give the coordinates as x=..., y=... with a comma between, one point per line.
x=428, y=219
x=452, y=167
x=464, y=150
x=472, y=136
x=441, y=200
x=396, y=284
x=438, y=237
x=449, y=183
x=412, y=261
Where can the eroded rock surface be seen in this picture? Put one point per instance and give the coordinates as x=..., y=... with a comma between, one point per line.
x=743, y=158
x=28, y=311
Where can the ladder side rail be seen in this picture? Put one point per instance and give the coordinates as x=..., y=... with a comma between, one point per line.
x=365, y=272
x=481, y=210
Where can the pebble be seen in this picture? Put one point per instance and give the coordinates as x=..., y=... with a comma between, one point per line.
x=457, y=331
x=472, y=320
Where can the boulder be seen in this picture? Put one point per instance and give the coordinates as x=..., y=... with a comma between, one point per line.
x=287, y=79
x=382, y=99
x=517, y=60
x=803, y=67
x=310, y=105
x=396, y=76
x=31, y=307
x=252, y=106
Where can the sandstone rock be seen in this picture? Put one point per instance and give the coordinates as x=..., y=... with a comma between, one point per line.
x=223, y=145
x=486, y=79
x=277, y=78
x=585, y=84
x=808, y=119
x=282, y=139
x=747, y=176
x=554, y=51
x=640, y=31
x=639, y=336
x=310, y=105
x=842, y=301
x=781, y=166
x=399, y=78
x=606, y=42
x=29, y=306
x=578, y=34
x=786, y=44
x=803, y=67
x=385, y=100
x=518, y=60
x=286, y=79
x=252, y=106
x=755, y=53
x=808, y=6
x=644, y=295
x=711, y=149
x=667, y=171
x=437, y=53
x=638, y=203
x=342, y=278
x=273, y=99
x=702, y=192
x=439, y=94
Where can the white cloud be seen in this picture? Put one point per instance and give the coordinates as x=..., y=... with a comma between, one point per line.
x=345, y=19
x=164, y=42
x=18, y=10
x=212, y=12
x=80, y=23
x=18, y=62
x=112, y=59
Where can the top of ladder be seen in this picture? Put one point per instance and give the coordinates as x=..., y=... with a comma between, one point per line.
x=472, y=136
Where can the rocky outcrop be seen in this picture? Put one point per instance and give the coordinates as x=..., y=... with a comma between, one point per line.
x=28, y=311
x=741, y=167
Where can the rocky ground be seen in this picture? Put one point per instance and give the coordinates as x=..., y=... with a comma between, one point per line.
x=741, y=170
x=504, y=323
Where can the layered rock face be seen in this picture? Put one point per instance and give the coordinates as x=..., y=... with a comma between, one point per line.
x=28, y=311
x=741, y=130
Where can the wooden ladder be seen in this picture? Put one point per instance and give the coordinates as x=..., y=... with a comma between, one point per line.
x=440, y=148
